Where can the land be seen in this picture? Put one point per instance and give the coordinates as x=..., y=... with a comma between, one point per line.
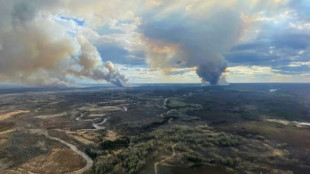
x=184, y=129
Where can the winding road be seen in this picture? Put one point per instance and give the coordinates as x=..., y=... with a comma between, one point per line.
x=165, y=159
x=75, y=149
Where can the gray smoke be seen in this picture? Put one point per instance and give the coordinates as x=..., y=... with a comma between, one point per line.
x=36, y=50
x=94, y=68
x=180, y=39
x=211, y=73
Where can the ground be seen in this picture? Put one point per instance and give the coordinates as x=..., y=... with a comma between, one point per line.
x=187, y=129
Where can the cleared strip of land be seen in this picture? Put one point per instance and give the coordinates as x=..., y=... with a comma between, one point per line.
x=4, y=116
x=7, y=131
x=51, y=116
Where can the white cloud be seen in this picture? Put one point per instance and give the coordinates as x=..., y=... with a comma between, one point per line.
x=263, y=74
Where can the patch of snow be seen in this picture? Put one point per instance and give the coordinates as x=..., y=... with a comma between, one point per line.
x=273, y=90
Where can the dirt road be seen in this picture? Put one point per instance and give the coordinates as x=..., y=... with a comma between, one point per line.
x=165, y=159
x=75, y=149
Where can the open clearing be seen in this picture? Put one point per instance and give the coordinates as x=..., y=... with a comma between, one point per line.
x=4, y=116
x=51, y=116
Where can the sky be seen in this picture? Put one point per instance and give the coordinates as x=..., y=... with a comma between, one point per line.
x=73, y=42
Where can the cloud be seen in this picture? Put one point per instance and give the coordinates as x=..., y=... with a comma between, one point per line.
x=293, y=69
x=179, y=71
x=279, y=41
x=59, y=42
x=277, y=51
x=119, y=43
x=114, y=49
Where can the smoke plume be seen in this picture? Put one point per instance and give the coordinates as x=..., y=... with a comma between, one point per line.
x=192, y=40
x=92, y=66
x=38, y=51
x=54, y=42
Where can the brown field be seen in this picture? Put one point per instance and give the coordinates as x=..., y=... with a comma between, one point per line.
x=51, y=116
x=6, y=115
x=111, y=135
x=81, y=139
x=105, y=109
x=96, y=115
x=59, y=160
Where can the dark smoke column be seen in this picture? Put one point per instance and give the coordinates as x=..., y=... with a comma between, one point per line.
x=212, y=71
x=181, y=38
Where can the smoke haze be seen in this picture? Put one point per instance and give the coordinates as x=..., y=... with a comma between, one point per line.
x=67, y=42
x=37, y=51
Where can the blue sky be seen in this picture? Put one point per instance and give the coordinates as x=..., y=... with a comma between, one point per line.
x=154, y=41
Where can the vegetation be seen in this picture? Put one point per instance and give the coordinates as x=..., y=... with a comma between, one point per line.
x=192, y=143
x=224, y=127
x=110, y=145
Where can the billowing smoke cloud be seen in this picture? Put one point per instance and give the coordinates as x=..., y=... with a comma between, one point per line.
x=92, y=66
x=37, y=50
x=183, y=39
x=196, y=34
x=45, y=42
